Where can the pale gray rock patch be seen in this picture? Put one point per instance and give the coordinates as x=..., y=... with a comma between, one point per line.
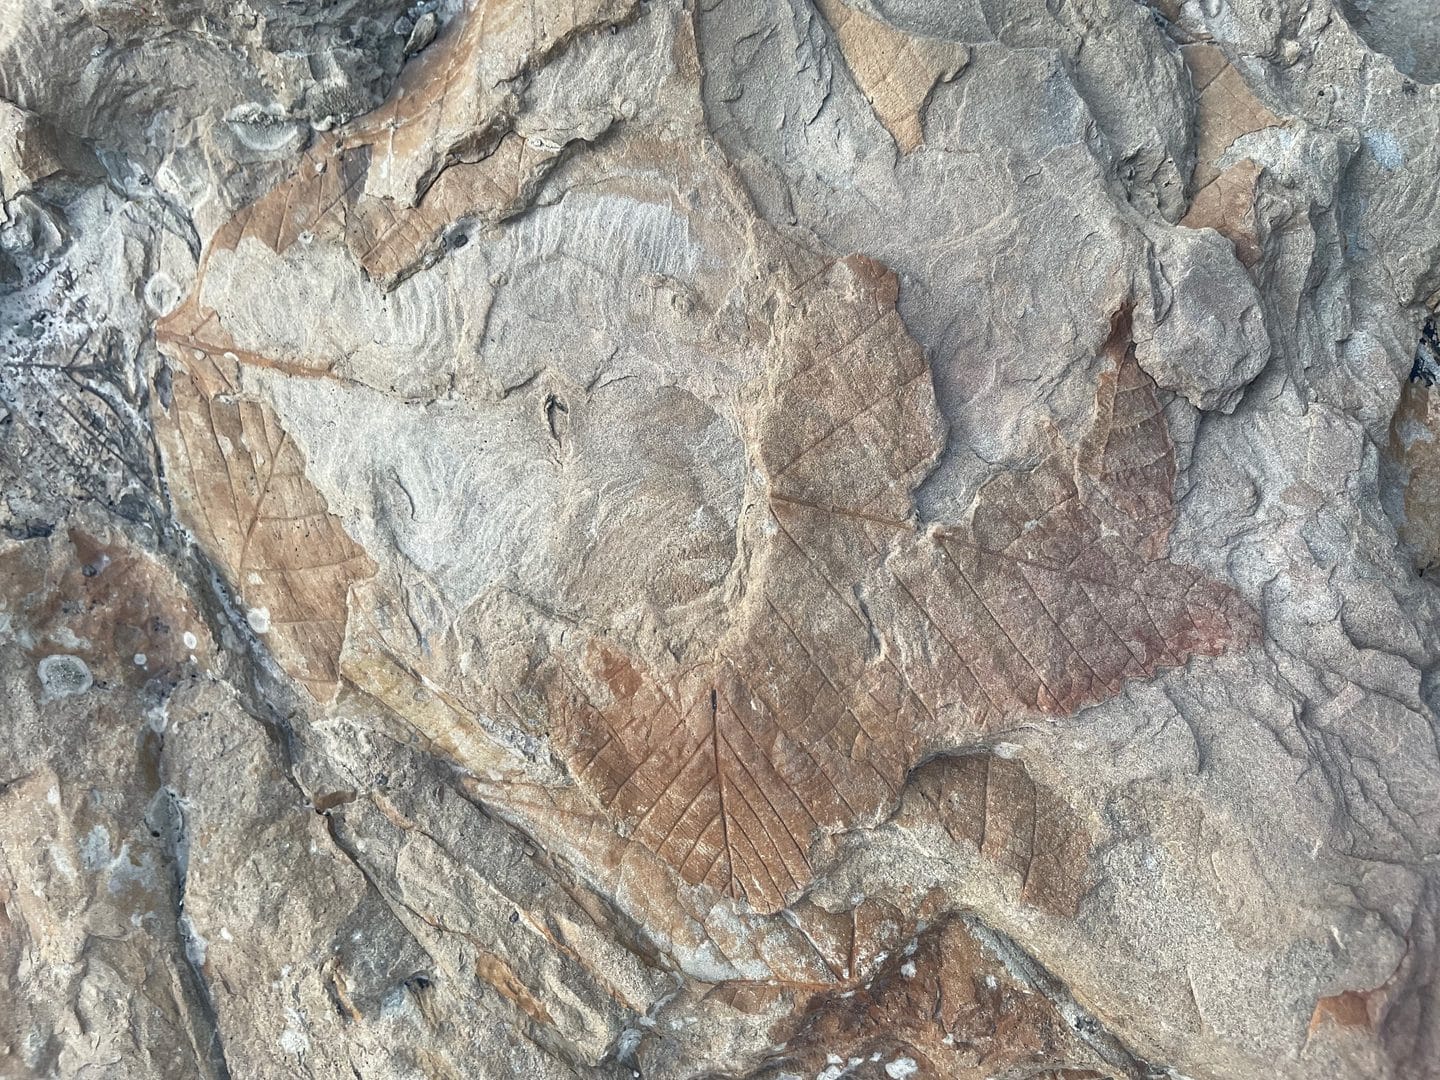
x=63, y=676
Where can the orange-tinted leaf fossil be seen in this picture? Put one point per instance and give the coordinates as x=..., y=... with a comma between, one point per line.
x=944, y=1007
x=239, y=482
x=1020, y=826
x=861, y=640
x=440, y=149
x=896, y=71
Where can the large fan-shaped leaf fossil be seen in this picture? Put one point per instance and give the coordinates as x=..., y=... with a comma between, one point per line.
x=862, y=639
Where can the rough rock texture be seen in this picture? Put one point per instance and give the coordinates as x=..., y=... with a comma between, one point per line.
x=864, y=538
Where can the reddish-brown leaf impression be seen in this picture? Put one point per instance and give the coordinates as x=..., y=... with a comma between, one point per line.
x=440, y=149
x=863, y=642
x=858, y=643
x=1023, y=828
x=949, y=1006
x=240, y=484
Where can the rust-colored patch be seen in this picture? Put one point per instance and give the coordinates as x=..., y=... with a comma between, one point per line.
x=1227, y=205
x=93, y=595
x=895, y=71
x=618, y=674
x=503, y=979
x=1352, y=1009
x=338, y=987
x=1415, y=447
x=1226, y=109
x=1024, y=828
x=239, y=483
x=949, y=1007
x=860, y=639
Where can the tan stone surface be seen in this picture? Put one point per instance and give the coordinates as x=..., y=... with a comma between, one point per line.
x=741, y=539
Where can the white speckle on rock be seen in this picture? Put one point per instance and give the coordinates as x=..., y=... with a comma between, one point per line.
x=161, y=293
x=294, y=1040
x=53, y=796
x=128, y=869
x=157, y=718
x=190, y=640
x=396, y=1003
x=95, y=848
x=195, y=944
x=140, y=659
x=1385, y=149
x=908, y=969
x=900, y=1068
x=63, y=675
x=66, y=637
x=259, y=619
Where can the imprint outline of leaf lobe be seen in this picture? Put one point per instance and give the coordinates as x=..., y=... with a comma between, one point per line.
x=295, y=561
x=858, y=634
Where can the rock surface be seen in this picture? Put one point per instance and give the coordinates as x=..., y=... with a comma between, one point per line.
x=865, y=538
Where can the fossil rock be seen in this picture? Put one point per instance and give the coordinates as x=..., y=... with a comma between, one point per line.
x=865, y=538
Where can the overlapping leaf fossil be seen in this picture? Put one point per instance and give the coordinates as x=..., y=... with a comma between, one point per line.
x=441, y=149
x=862, y=641
x=1024, y=829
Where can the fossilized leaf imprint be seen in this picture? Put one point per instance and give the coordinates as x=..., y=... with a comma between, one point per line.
x=895, y=70
x=240, y=484
x=860, y=640
x=1021, y=826
x=949, y=1006
x=1226, y=110
x=440, y=150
